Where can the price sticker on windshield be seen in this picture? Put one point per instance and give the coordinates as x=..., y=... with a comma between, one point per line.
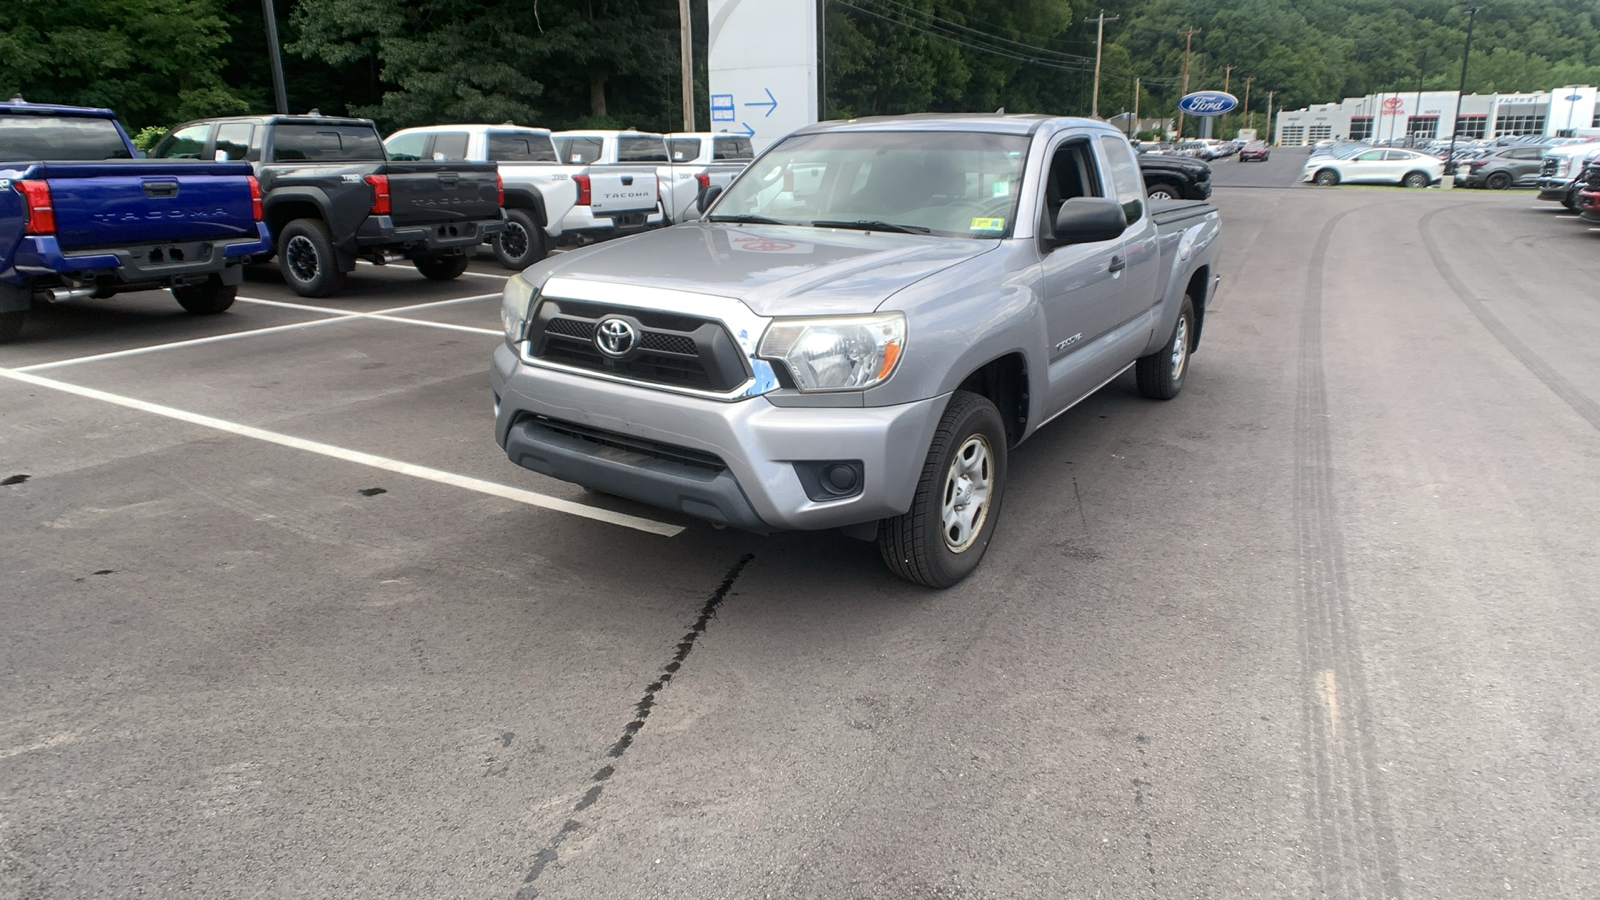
x=981, y=224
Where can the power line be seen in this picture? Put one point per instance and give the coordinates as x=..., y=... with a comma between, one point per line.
x=994, y=37
x=1049, y=64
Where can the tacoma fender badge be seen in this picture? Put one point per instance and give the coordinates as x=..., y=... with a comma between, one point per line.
x=1070, y=341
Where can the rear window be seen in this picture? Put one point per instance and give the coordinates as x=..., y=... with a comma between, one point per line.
x=59, y=138
x=324, y=142
x=514, y=147
x=641, y=150
x=732, y=148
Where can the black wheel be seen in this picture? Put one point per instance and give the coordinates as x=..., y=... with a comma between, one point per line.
x=307, y=260
x=1326, y=178
x=1416, y=180
x=206, y=298
x=1162, y=192
x=1499, y=181
x=442, y=268
x=943, y=536
x=1161, y=373
x=10, y=325
x=1571, y=200
x=522, y=242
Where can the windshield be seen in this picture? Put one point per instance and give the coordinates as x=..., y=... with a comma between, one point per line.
x=956, y=184
x=59, y=138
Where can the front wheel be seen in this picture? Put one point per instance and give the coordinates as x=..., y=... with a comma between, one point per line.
x=522, y=243
x=941, y=539
x=207, y=298
x=1161, y=373
x=441, y=268
x=1416, y=180
x=1162, y=192
x=1326, y=178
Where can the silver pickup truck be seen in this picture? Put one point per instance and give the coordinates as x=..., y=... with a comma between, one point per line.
x=858, y=330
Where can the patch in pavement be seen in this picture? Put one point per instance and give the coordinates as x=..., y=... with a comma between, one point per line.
x=642, y=710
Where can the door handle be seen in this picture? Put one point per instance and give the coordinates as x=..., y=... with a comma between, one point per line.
x=1117, y=264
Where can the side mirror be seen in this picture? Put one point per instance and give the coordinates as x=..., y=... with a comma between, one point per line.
x=709, y=196
x=1086, y=220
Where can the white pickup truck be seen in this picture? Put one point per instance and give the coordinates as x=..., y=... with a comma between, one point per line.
x=700, y=161
x=547, y=201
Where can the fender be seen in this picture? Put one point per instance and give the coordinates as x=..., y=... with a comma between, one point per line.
x=528, y=198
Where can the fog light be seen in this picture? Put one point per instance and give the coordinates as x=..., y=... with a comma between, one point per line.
x=832, y=479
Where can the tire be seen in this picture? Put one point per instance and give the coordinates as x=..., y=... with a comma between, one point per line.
x=207, y=298
x=1326, y=178
x=1571, y=200
x=522, y=243
x=1416, y=180
x=1499, y=181
x=1163, y=192
x=11, y=325
x=307, y=260
x=1161, y=374
x=963, y=480
x=442, y=268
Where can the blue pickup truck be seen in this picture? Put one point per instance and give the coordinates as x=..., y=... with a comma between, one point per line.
x=81, y=216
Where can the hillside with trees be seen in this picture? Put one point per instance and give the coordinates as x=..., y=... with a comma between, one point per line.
x=564, y=63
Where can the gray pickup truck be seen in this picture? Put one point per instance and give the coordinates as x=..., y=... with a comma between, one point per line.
x=858, y=330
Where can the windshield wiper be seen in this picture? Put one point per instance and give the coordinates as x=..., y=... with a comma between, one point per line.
x=743, y=219
x=865, y=225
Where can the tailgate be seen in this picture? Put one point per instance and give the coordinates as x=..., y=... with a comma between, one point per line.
x=99, y=205
x=619, y=189
x=433, y=193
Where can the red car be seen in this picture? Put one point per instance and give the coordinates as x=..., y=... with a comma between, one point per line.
x=1256, y=150
x=1589, y=205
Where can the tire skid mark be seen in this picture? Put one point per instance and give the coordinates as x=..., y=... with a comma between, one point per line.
x=550, y=852
x=1558, y=385
x=1346, y=804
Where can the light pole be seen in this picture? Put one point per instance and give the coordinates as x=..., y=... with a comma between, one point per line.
x=275, y=57
x=1449, y=179
x=1188, y=42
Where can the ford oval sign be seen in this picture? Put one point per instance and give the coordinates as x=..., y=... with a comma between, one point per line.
x=1208, y=103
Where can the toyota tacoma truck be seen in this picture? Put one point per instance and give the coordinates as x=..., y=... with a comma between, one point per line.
x=860, y=350
x=332, y=197
x=700, y=161
x=547, y=202
x=608, y=149
x=81, y=217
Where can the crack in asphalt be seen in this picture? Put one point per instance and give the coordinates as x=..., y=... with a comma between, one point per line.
x=550, y=852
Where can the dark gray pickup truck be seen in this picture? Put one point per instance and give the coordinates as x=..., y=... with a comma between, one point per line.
x=859, y=330
x=332, y=196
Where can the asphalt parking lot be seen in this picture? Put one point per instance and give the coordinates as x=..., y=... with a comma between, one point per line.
x=285, y=622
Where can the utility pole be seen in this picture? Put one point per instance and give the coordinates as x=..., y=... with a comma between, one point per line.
x=1136, y=81
x=1449, y=179
x=1248, y=121
x=1422, y=62
x=1227, y=75
x=1099, y=37
x=275, y=57
x=1188, y=40
x=1269, y=117
x=686, y=52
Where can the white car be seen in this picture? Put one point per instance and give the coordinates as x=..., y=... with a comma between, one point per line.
x=1380, y=165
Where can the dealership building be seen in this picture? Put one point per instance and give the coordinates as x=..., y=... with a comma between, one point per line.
x=1396, y=115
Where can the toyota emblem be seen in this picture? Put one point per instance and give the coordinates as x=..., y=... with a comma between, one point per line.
x=615, y=337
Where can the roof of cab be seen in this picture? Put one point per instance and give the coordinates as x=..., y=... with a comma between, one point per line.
x=503, y=126
x=285, y=120
x=992, y=123
x=19, y=105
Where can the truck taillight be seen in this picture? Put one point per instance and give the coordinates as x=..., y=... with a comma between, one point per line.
x=704, y=179
x=41, y=213
x=380, y=195
x=585, y=192
x=499, y=190
x=255, y=197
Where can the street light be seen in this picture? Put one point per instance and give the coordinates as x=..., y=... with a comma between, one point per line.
x=1449, y=179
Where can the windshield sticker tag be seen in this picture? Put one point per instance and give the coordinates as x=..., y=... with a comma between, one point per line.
x=982, y=224
x=1002, y=188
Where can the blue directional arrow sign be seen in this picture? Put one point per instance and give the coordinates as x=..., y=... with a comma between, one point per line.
x=722, y=107
x=771, y=103
x=748, y=131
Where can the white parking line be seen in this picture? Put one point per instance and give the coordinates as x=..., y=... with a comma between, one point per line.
x=555, y=504
x=368, y=263
x=385, y=315
x=175, y=345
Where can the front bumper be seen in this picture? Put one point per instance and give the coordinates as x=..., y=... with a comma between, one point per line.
x=1555, y=188
x=156, y=263
x=378, y=232
x=756, y=441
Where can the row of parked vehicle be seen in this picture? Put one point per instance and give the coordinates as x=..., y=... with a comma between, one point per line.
x=83, y=215
x=1493, y=165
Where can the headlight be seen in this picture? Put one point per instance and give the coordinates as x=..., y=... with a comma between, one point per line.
x=514, y=304
x=845, y=353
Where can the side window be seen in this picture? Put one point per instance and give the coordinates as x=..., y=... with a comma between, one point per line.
x=1371, y=156
x=185, y=143
x=1124, y=177
x=406, y=147
x=579, y=150
x=732, y=148
x=519, y=146
x=233, y=139
x=1072, y=174
x=684, y=149
x=451, y=145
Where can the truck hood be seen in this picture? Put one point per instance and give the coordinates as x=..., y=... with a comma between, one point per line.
x=774, y=269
